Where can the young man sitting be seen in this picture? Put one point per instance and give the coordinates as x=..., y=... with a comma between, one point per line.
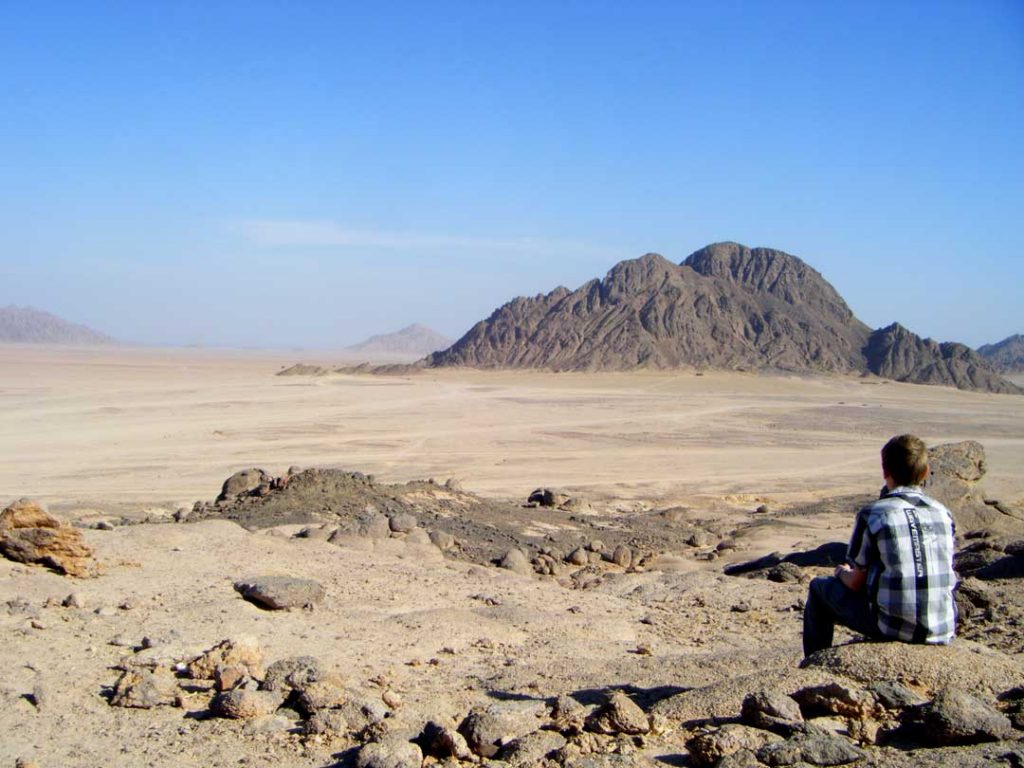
x=897, y=583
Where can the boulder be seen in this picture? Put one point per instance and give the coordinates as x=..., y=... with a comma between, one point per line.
x=531, y=749
x=710, y=747
x=619, y=714
x=402, y=522
x=957, y=718
x=441, y=741
x=442, y=540
x=770, y=710
x=962, y=664
x=29, y=534
x=622, y=556
x=515, y=560
x=814, y=749
x=281, y=592
x=839, y=699
x=243, y=483
x=486, y=728
x=389, y=753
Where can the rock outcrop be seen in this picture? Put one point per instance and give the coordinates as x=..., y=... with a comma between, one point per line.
x=29, y=534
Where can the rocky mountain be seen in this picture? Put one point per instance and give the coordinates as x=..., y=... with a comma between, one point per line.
x=896, y=353
x=34, y=326
x=414, y=340
x=1006, y=355
x=726, y=306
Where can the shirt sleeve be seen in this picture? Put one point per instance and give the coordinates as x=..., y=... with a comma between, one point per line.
x=860, y=541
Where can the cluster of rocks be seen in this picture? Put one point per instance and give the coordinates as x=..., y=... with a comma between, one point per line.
x=556, y=499
x=29, y=534
x=230, y=681
x=579, y=565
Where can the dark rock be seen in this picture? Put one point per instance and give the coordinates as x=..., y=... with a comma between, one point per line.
x=770, y=710
x=244, y=483
x=817, y=749
x=441, y=741
x=487, y=727
x=786, y=573
x=281, y=592
x=956, y=718
x=893, y=695
x=531, y=749
x=711, y=746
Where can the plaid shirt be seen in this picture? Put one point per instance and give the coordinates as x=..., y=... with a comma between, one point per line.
x=905, y=543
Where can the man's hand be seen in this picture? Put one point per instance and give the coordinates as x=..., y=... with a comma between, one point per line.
x=853, y=578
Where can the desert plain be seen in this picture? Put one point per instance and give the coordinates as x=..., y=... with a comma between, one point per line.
x=128, y=437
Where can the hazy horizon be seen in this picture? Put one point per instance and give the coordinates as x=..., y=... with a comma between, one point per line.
x=282, y=176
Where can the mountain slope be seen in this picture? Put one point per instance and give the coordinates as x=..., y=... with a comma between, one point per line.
x=415, y=339
x=1006, y=355
x=726, y=306
x=29, y=325
x=894, y=352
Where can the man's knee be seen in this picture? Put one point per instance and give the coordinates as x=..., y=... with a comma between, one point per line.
x=820, y=585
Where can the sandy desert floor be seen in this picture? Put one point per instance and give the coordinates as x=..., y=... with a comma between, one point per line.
x=128, y=430
x=139, y=426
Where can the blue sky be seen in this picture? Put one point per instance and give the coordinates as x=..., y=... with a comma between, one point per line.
x=307, y=174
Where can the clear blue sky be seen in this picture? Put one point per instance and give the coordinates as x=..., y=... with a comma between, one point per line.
x=309, y=173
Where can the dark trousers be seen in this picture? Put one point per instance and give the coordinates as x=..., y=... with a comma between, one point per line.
x=830, y=602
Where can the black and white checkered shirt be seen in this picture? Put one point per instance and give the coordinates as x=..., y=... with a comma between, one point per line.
x=905, y=543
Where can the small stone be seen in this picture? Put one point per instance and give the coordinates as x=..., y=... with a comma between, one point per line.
x=142, y=689
x=243, y=651
x=74, y=600
x=329, y=722
x=281, y=592
x=392, y=699
x=578, y=556
x=515, y=560
x=568, y=714
x=294, y=673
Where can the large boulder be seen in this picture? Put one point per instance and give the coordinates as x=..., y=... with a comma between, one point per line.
x=487, y=728
x=244, y=483
x=956, y=473
x=955, y=717
x=962, y=664
x=29, y=534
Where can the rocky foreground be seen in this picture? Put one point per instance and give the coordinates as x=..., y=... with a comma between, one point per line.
x=324, y=619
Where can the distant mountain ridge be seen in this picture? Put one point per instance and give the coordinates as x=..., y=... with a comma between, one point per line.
x=416, y=340
x=1006, y=355
x=725, y=306
x=34, y=326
